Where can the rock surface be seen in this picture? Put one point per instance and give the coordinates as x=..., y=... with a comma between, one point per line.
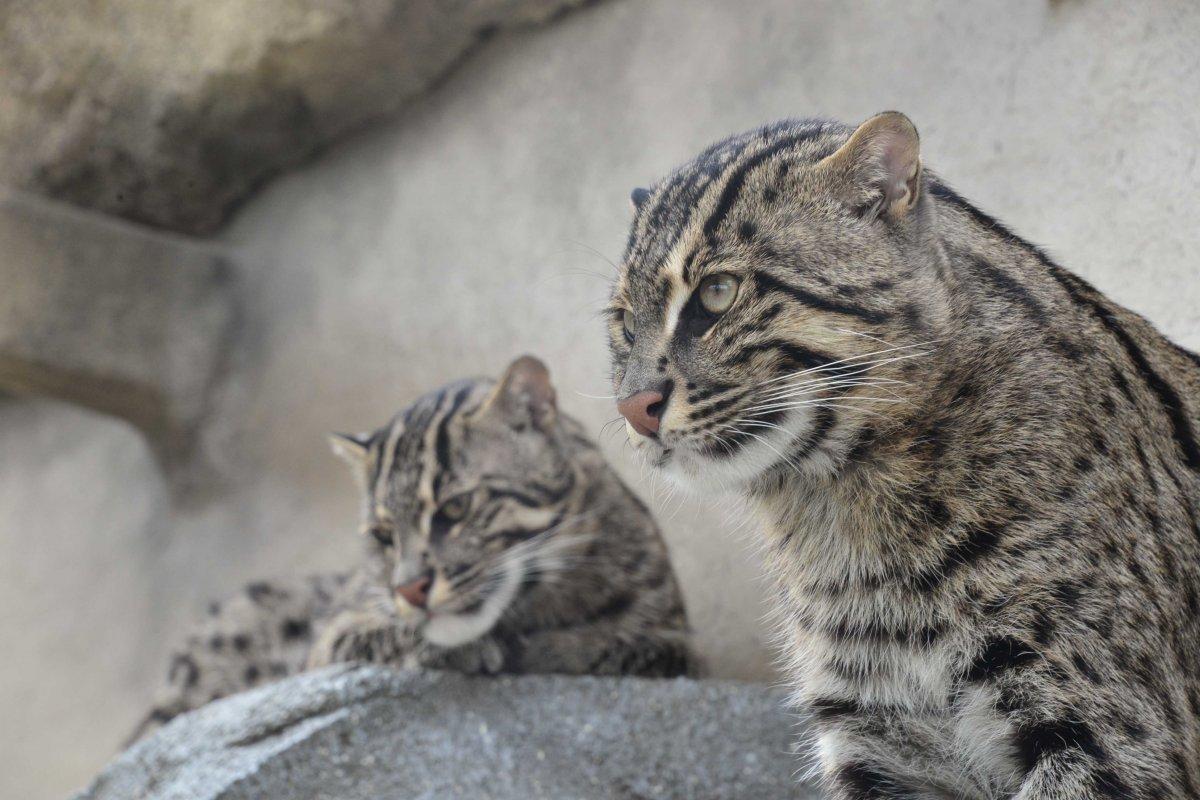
x=112, y=317
x=170, y=113
x=369, y=733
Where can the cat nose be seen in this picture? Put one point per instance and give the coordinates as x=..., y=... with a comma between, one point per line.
x=416, y=592
x=644, y=409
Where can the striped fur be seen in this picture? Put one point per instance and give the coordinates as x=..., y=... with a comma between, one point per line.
x=979, y=477
x=553, y=567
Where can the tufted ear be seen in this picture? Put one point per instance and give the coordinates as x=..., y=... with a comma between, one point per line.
x=351, y=448
x=880, y=166
x=639, y=197
x=524, y=395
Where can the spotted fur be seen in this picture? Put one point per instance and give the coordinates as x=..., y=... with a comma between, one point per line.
x=549, y=565
x=979, y=478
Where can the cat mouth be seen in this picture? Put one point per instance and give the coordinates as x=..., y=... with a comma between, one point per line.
x=450, y=625
x=653, y=449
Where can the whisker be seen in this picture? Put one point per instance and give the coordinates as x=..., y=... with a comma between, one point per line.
x=815, y=387
x=854, y=361
x=768, y=407
x=598, y=254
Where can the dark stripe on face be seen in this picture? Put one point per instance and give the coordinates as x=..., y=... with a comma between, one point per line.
x=727, y=444
x=1084, y=295
x=768, y=283
x=442, y=447
x=791, y=357
x=758, y=324
x=684, y=192
x=522, y=498
x=511, y=536
x=700, y=395
x=716, y=407
x=411, y=443
x=733, y=186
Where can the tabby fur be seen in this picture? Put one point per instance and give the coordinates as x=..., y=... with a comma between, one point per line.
x=978, y=477
x=550, y=564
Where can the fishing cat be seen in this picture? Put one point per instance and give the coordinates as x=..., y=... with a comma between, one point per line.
x=979, y=477
x=497, y=540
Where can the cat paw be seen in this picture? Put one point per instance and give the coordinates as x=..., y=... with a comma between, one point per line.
x=484, y=657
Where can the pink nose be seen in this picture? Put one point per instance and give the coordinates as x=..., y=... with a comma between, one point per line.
x=643, y=411
x=416, y=592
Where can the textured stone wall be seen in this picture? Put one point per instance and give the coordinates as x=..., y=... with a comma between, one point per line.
x=172, y=113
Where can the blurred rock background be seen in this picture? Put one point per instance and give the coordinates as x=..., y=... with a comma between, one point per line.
x=230, y=226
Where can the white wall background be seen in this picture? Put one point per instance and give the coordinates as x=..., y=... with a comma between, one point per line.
x=479, y=227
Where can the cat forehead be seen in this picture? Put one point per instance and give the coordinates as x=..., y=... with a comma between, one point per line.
x=419, y=442
x=694, y=210
x=437, y=445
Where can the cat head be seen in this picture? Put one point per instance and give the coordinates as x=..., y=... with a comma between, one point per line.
x=464, y=499
x=774, y=298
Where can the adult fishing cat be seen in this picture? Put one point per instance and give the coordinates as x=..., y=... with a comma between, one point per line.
x=497, y=540
x=979, y=477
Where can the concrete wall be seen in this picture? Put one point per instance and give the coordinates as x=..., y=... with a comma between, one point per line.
x=481, y=226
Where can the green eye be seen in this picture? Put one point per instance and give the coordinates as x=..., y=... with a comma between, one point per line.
x=456, y=507
x=629, y=324
x=717, y=292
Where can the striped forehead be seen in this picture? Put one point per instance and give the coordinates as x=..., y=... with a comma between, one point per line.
x=414, y=453
x=695, y=200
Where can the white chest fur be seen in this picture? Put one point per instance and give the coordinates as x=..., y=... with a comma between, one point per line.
x=864, y=644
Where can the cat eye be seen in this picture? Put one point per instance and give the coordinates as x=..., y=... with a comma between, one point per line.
x=456, y=507
x=628, y=323
x=717, y=292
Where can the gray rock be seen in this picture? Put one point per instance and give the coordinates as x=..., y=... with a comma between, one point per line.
x=363, y=732
x=110, y=316
x=171, y=113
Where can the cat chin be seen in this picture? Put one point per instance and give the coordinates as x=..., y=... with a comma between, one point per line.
x=455, y=630
x=703, y=474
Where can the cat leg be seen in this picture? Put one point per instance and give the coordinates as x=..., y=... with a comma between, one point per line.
x=601, y=650
x=484, y=656
x=359, y=636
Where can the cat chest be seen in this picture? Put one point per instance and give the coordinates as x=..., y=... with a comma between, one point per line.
x=887, y=693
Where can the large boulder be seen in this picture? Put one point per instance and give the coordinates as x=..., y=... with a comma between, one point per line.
x=370, y=733
x=170, y=113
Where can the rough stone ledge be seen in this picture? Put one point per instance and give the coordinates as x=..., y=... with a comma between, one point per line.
x=364, y=733
x=112, y=316
x=171, y=113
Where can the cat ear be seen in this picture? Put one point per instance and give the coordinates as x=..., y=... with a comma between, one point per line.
x=524, y=394
x=351, y=447
x=639, y=197
x=880, y=166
